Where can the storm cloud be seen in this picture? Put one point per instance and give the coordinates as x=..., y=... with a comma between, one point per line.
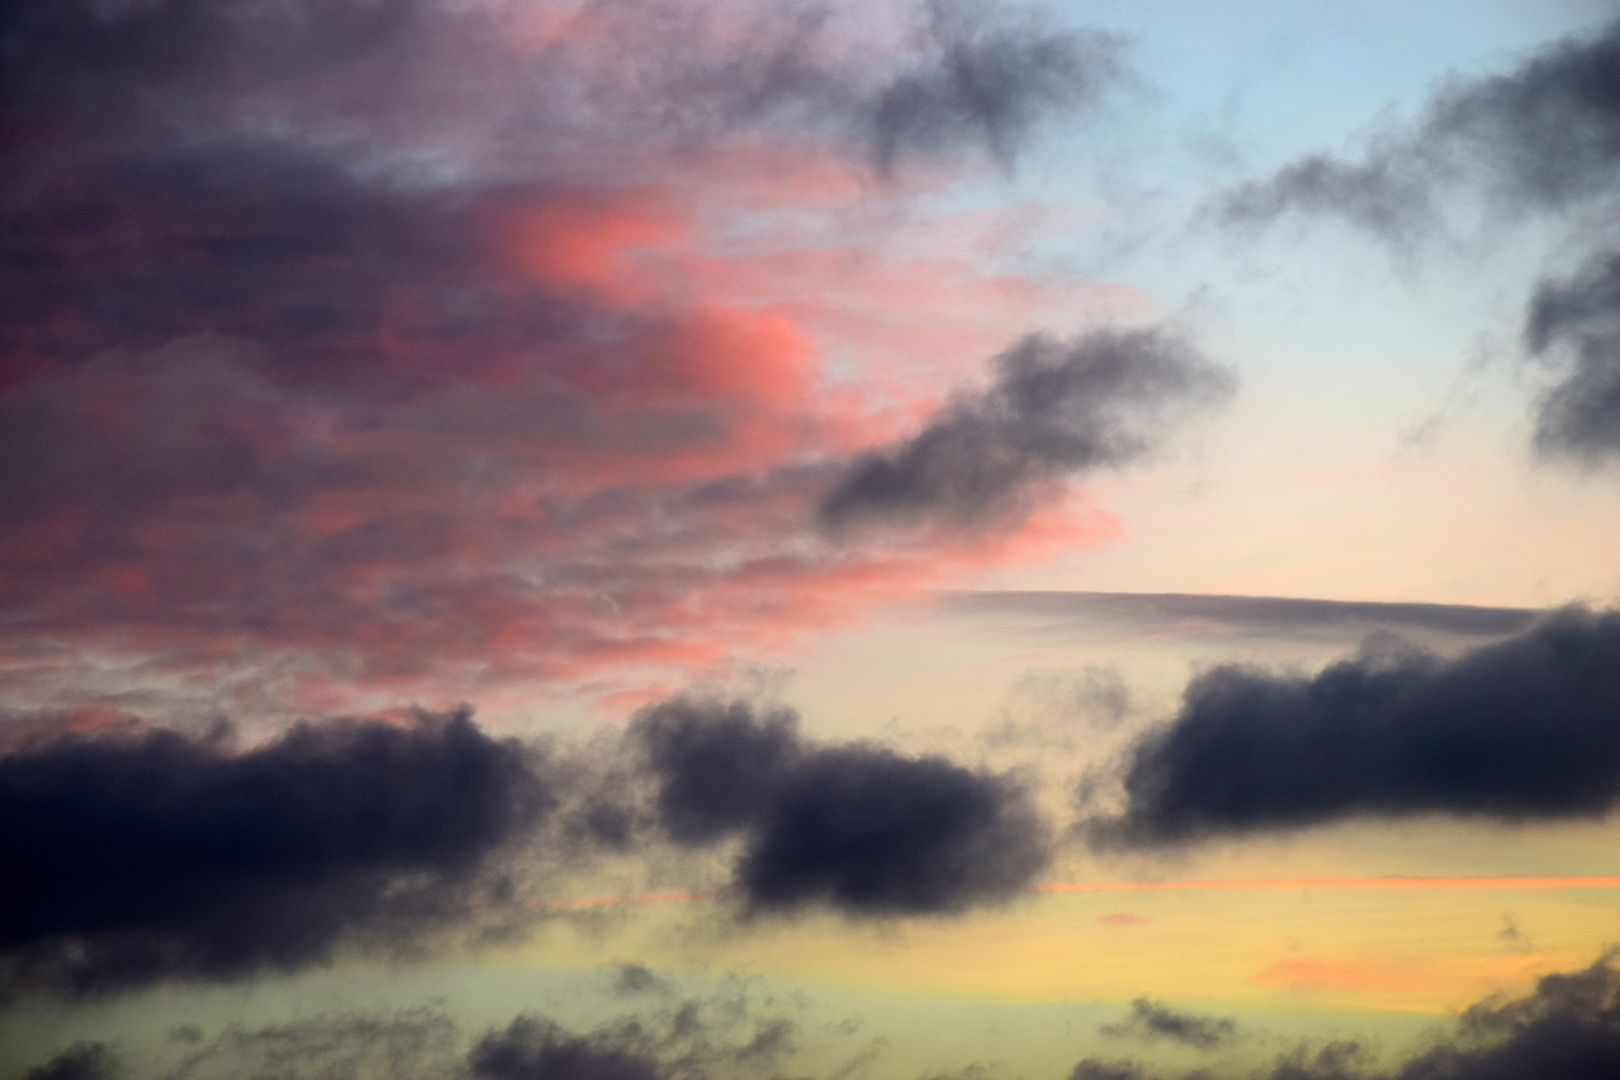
x=1518, y=730
x=856, y=828
x=1055, y=408
x=128, y=860
x=1567, y=1029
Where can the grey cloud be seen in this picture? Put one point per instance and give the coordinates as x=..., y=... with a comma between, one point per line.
x=532, y=1049
x=1103, y=399
x=81, y=1061
x=1567, y=1029
x=1520, y=729
x=1579, y=318
x=987, y=83
x=1151, y=1020
x=857, y=828
x=124, y=861
x=1542, y=137
x=1371, y=195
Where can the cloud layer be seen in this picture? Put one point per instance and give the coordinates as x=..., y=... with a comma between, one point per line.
x=1519, y=730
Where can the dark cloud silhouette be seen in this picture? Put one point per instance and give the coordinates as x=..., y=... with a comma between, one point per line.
x=1567, y=1029
x=1151, y=1020
x=857, y=828
x=1102, y=399
x=532, y=1049
x=1579, y=318
x=124, y=861
x=81, y=1061
x=1517, y=730
x=1370, y=195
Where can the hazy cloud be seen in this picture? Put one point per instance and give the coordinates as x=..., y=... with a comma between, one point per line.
x=81, y=1061
x=128, y=860
x=1517, y=730
x=1103, y=399
x=1151, y=1020
x=855, y=827
x=532, y=1049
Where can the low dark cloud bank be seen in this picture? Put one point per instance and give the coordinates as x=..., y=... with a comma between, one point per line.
x=1103, y=399
x=1568, y=1029
x=1544, y=139
x=857, y=828
x=1150, y=1020
x=1520, y=730
x=125, y=861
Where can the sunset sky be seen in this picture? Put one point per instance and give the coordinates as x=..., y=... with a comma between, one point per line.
x=709, y=539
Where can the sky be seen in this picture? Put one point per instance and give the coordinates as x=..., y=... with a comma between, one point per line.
x=746, y=540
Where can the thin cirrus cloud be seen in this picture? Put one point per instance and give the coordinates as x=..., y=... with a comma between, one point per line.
x=1542, y=139
x=404, y=349
x=1517, y=730
x=856, y=828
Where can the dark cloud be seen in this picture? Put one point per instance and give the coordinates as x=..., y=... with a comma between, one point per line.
x=1517, y=730
x=1102, y=399
x=1151, y=1020
x=1369, y=195
x=81, y=1061
x=532, y=1049
x=127, y=860
x=855, y=827
x=1568, y=1029
x=415, y=1043
x=1578, y=318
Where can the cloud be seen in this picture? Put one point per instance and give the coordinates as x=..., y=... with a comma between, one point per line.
x=856, y=828
x=1271, y=616
x=1517, y=730
x=1151, y=1020
x=1543, y=137
x=130, y=860
x=986, y=84
x=81, y=1061
x=1055, y=408
x=532, y=1049
x=1580, y=317
x=1567, y=1029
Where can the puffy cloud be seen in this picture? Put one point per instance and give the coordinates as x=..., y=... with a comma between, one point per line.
x=1521, y=729
x=128, y=860
x=1103, y=399
x=857, y=828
